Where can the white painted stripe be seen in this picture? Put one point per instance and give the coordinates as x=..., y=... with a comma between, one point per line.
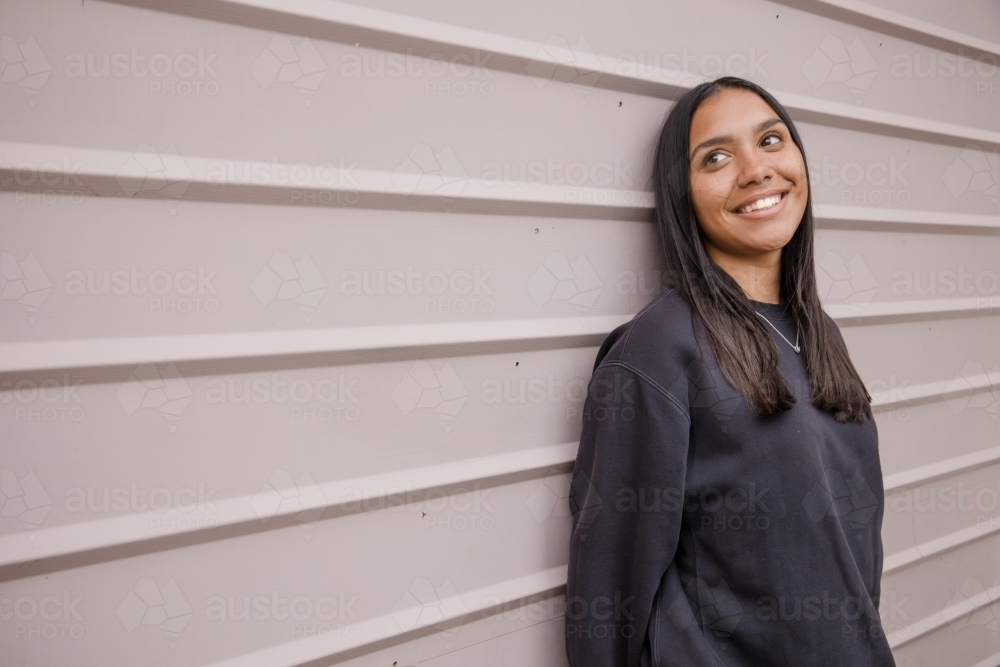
x=955, y=612
x=403, y=31
x=847, y=314
x=37, y=355
x=396, y=625
x=934, y=471
x=940, y=545
x=97, y=174
x=898, y=397
x=888, y=22
x=572, y=331
x=44, y=543
x=47, y=543
x=839, y=213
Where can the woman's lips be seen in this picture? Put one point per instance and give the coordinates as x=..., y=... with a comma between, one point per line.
x=765, y=213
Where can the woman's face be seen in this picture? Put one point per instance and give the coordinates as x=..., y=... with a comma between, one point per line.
x=748, y=179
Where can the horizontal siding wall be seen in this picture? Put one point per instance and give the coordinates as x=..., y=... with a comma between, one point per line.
x=300, y=301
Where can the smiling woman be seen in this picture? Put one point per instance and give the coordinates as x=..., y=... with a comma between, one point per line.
x=727, y=495
x=752, y=172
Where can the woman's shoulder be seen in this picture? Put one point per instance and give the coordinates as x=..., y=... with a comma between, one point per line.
x=658, y=341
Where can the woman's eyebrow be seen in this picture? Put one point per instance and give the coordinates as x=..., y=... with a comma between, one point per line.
x=728, y=138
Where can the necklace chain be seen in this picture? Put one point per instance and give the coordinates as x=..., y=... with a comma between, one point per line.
x=796, y=345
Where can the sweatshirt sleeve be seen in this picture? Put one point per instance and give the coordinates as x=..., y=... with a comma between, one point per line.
x=626, y=497
x=875, y=592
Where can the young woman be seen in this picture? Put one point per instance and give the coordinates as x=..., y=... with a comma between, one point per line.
x=727, y=496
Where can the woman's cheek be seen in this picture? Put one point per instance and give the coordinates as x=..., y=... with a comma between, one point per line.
x=708, y=210
x=711, y=192
x=792, y=167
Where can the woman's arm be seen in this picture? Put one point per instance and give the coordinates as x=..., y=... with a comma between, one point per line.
x=626, y=498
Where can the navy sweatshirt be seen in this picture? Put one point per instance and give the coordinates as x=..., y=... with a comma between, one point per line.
x=704, y=535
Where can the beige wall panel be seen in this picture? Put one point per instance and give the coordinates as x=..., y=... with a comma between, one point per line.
x=242, y=206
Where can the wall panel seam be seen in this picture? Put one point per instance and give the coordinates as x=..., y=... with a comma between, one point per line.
x=879, y=19
x=350, y=496
x=100, y=172
x=959, y=610
x=347, y=23
x=48, y=543
x=27, y=356
x=932, y=548
x=914, y=477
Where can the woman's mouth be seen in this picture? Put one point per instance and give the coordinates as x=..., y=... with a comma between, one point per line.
x=764, y=207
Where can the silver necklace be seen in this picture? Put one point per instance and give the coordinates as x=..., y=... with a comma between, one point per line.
x=795, y=347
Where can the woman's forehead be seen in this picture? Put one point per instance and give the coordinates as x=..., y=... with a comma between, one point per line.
x=730, y=111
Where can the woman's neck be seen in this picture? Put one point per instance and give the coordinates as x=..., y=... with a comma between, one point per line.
x=759, y=277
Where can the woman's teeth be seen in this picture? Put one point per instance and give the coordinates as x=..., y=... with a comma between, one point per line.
x=766, y=202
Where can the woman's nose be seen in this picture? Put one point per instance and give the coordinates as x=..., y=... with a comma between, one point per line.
x=753, y=169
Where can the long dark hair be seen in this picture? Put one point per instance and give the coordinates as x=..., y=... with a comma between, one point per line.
x=743, y=346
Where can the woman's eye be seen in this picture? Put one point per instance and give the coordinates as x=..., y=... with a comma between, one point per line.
x=766, y=141
x=713, y=158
